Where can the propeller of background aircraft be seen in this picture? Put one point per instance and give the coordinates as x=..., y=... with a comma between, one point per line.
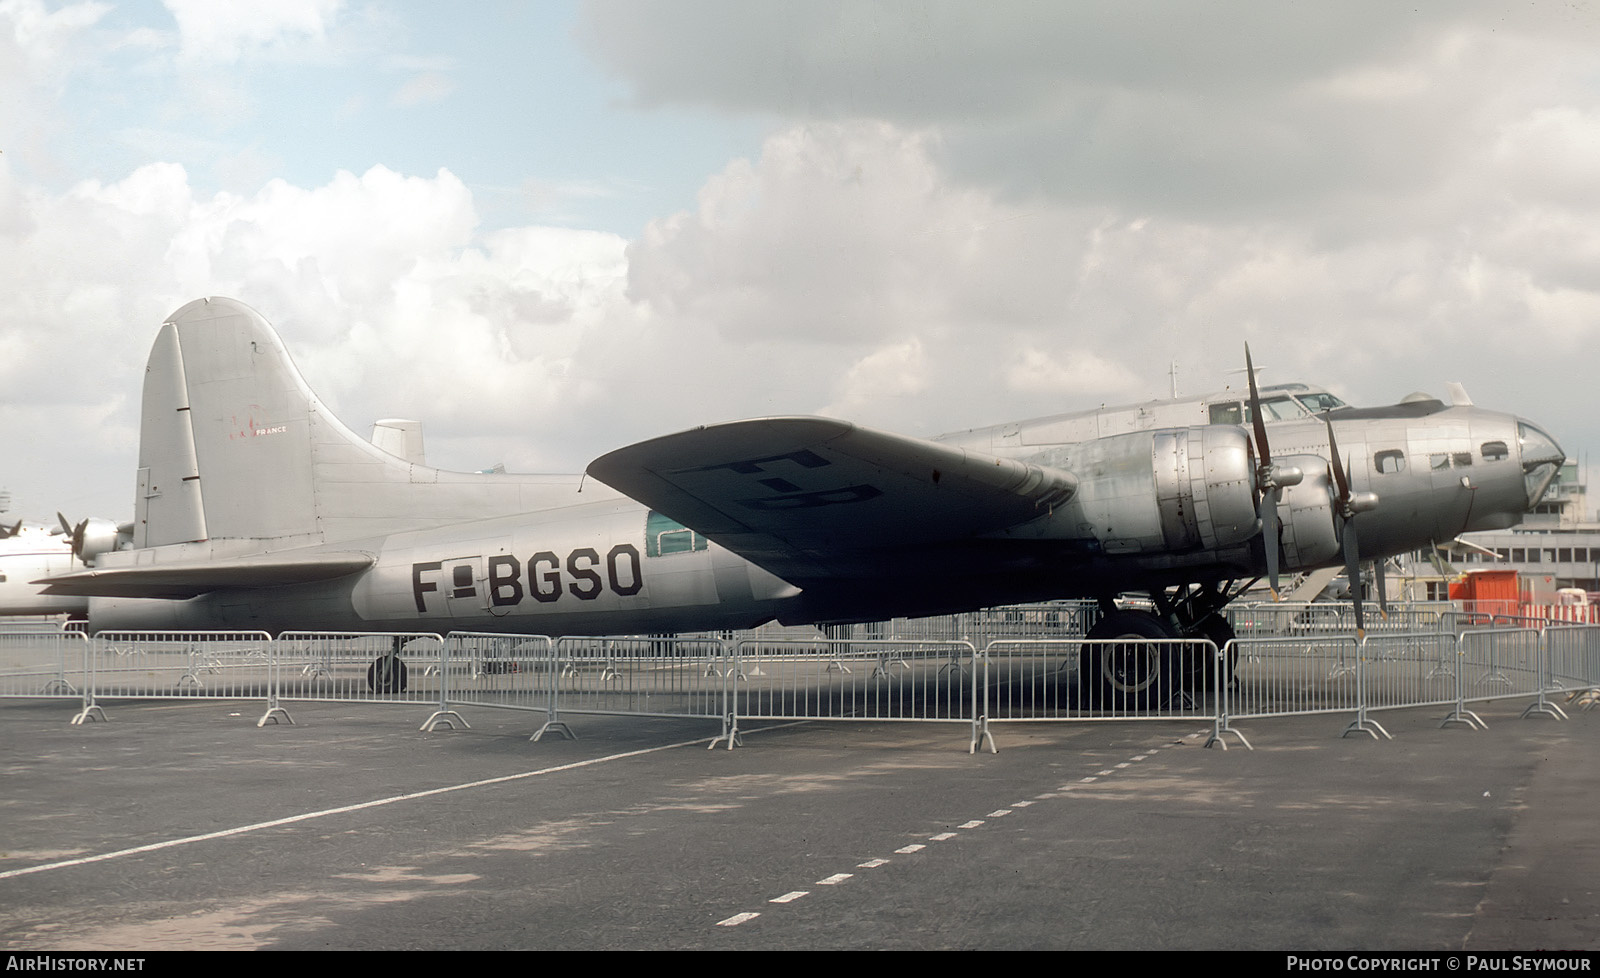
x=94, y=536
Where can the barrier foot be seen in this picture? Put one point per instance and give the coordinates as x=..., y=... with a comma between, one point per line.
x=1466, y=718
x=1545, y=708
x=554, y=726
x=981, y=734
x=1366, y=726
x=57, y=687
x=1217, y=738
x=274, y=713
x=444, y=718
x=1585, y=698
x=90, y=712
x=729, y=735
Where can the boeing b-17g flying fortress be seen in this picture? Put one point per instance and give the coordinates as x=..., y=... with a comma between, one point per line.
x=256, y=508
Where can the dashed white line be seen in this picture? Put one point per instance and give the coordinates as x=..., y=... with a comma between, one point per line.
x=737, y=919
x=837, y=878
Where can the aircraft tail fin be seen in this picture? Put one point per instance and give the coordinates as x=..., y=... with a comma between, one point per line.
x=233, y=444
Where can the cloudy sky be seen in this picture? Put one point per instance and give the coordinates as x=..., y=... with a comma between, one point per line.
x=550, y=229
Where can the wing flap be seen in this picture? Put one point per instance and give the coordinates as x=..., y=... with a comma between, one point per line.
x=810, y=497
x=186, y=579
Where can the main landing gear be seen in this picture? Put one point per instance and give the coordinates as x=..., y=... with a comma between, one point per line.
x=1134, y=663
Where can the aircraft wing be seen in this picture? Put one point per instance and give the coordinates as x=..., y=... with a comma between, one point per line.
x=810, y=498
x=188, y=578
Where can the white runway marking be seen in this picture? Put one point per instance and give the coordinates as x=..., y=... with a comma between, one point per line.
x=789, y=897
x=308, y=816
x=737, y=919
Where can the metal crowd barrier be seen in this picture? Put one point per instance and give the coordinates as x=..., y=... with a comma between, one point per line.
x=1291, y=667
x=43, y=664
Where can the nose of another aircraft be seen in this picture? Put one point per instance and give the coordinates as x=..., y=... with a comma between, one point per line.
x=1541, y=459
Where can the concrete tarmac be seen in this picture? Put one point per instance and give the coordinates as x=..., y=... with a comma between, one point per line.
x=184, y=826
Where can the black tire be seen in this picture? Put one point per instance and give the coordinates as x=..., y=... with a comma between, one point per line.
x=1132, y=674
x=387, y=674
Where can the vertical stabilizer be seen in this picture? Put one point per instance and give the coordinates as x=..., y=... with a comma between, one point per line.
x=236, y=450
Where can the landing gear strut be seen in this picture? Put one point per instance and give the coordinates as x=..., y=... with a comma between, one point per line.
x=1127, y=672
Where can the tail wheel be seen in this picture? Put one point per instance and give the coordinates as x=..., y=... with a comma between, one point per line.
x=387, y=674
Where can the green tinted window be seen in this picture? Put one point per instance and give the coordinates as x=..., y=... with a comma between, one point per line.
x=664, y=535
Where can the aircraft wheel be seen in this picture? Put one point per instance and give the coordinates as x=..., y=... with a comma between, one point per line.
x=1217, y=629
x=387, y=674
x=1132, y=673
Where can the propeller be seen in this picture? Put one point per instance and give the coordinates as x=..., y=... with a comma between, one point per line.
x=1345, y=507
x=1271, y=479
x=93, y=536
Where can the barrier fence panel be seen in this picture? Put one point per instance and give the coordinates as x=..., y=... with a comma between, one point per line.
x=513, y=672
x=181, y=665
x=664, y=676
x=868, y=679
x=1499, y=662
x=1417, y=669
x=1573, y=654
x=1034, y=679
x=362, y=667
x=42, y=663
x=1275, y=676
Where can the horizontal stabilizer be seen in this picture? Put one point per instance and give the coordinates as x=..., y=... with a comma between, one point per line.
x=814, y=497
x=185, y=579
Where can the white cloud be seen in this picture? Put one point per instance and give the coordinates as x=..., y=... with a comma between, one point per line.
x=212, y=32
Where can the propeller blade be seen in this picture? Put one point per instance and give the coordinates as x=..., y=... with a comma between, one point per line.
x=65, y=526
x=1269, y=536
x=1256, y=421
x=1352, y=569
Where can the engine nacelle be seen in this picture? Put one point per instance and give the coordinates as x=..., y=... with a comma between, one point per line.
x=1308, y=535
x=1168, y=490
x=95, y=536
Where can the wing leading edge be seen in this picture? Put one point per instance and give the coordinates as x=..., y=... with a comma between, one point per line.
x=815, y=498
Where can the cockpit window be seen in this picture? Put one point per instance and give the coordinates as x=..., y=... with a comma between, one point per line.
x=1319, y=403
x=1494, y=451
x=1278, y=409
x=1227, y=413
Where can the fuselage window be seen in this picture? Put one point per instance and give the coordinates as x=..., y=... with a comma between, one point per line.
x=1438, y=461
x=1494, y=451
x=1391, y=460
x=664, y=535
x=1461, y=459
